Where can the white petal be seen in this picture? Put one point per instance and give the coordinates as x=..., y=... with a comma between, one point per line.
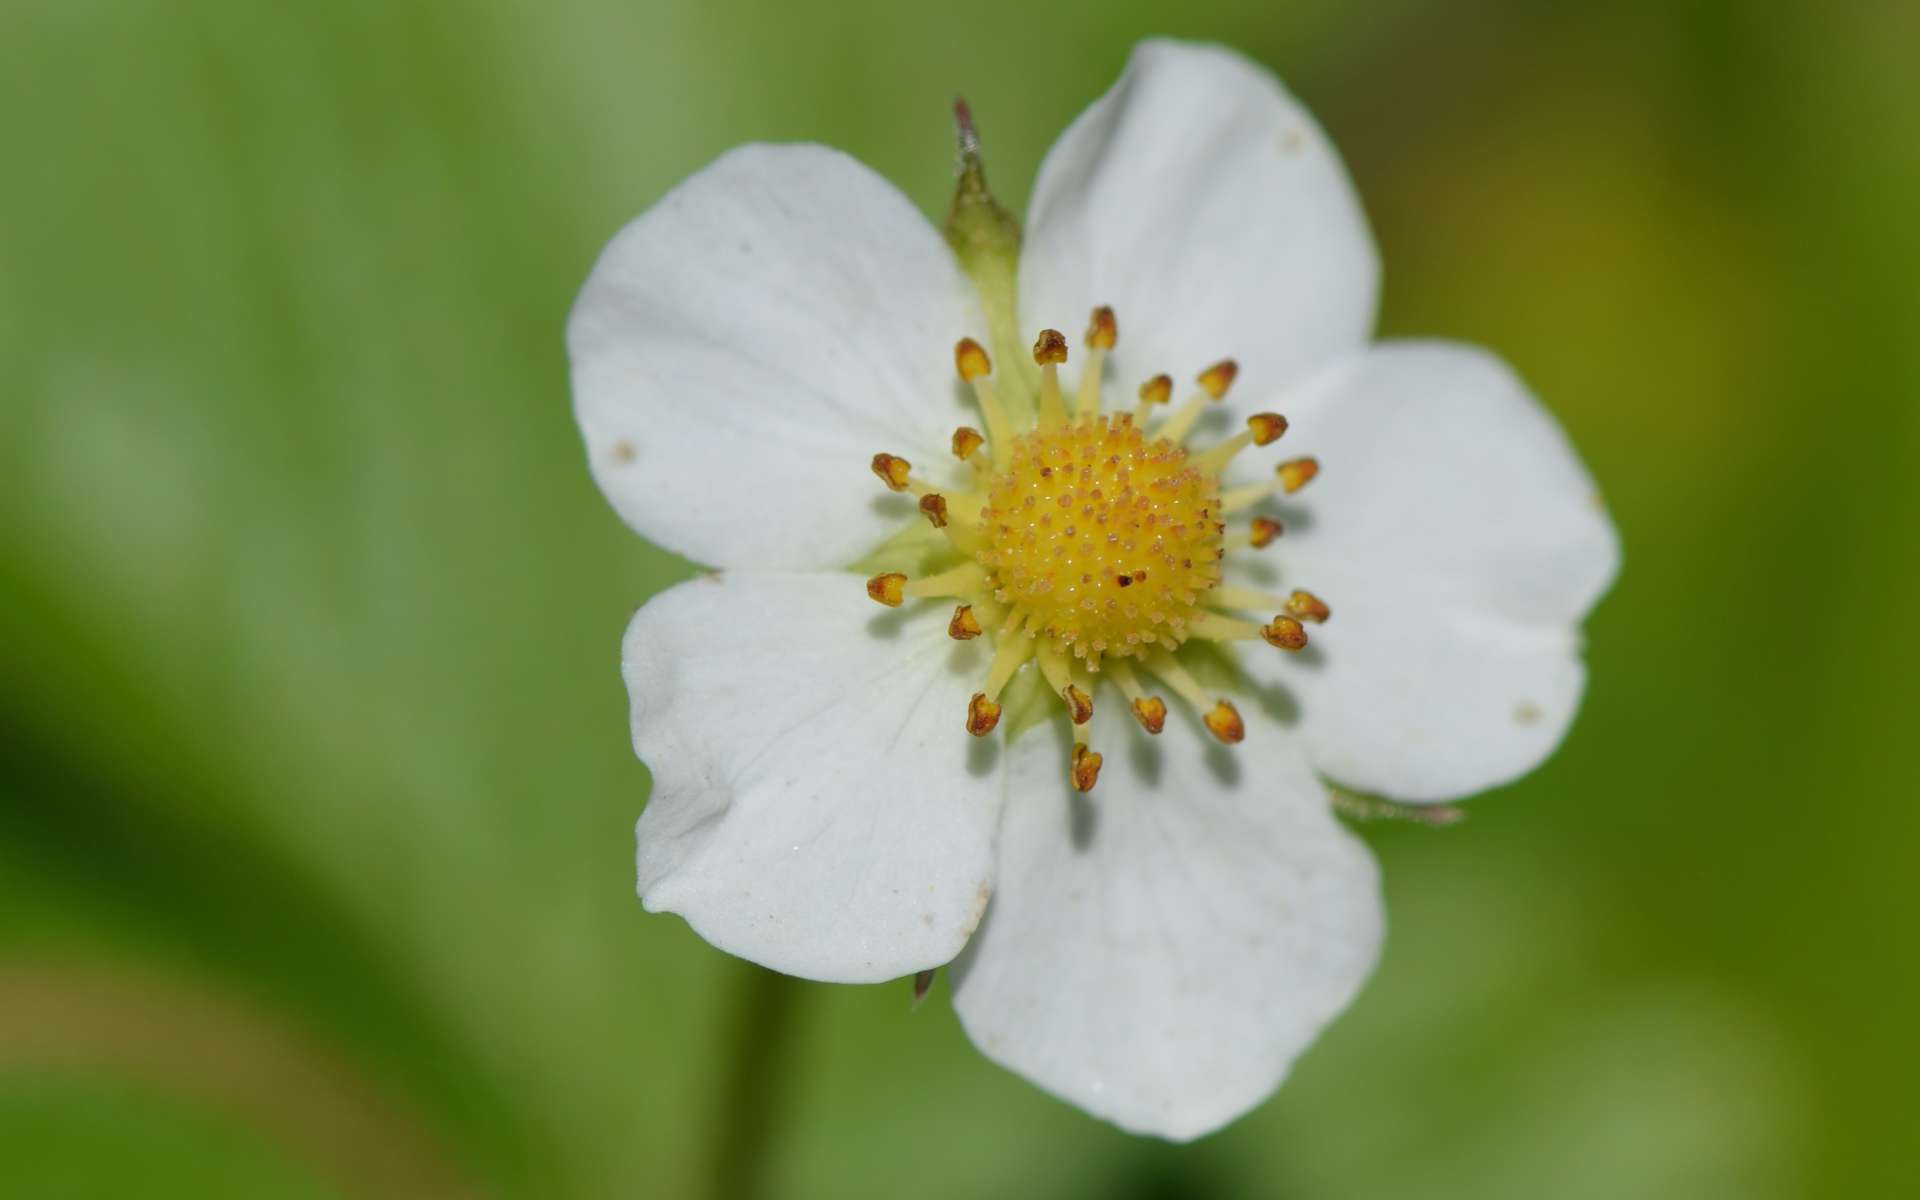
x=1160, y=950
x=817, y=804
x=1204, y=204
x=743, y=349
x=1460, y=542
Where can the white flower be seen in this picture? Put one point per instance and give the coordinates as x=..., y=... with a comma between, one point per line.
x=1158, y=950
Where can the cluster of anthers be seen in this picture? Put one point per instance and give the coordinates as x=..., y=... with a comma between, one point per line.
x=1092, y=544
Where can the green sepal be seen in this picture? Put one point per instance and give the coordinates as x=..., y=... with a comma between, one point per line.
x=985, y=239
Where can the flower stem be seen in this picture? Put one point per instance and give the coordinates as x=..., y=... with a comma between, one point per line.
x=762, y=1025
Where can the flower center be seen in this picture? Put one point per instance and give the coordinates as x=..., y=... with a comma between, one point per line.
x=1102, y=539
x=1091, y=545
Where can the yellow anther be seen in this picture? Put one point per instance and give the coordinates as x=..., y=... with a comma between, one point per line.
x=1284, y=632
x=1102, y=331
x=1297, y=473
x=1216, y=379
x=933, y=506
x=1266, y=427
x=1079, y=704
x=892, y=471
x=1050, y=350
x=1263, y=530
x=1223, y=721
x=966, y=440
x=970, y=359
x=1086, y=767
x=889, y=588
x=982, y=715
x=1214, y=382
x=1151, y=712
x=1155, y=391
x=965, y=626
x=1308, y=607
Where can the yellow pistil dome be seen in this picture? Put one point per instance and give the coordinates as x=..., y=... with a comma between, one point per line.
x=1102, y=539
x=1091, y=543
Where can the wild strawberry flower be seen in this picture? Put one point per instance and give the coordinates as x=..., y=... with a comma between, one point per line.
x=1123, y=641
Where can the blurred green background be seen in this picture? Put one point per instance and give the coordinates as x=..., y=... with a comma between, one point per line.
x=315, y=837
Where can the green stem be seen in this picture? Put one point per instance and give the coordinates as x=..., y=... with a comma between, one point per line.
x=763, y=1012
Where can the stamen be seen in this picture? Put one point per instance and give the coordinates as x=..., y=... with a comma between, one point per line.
x=965, y=626
x=1223, y=721
x=1079, y=704
x=1266, y=427
x=892, y=471
x=1102, y=333
x=971, y=360
x=1175, y=676
x=1234, y=499
x=1053, y=664
x=1289, y=476
x=1155, y=391
x=982, y=715
x=966, y=440
x=967, y=579
x=888, y=588
x=1262, y=428
x=1049, y=351
x=1297, y=473
x=1214, y=382
x=1215, y=628
x=1086, y=767
x=1285, y=633
x=1247, y=598
x=1150, y=711
x=1258, y=534
x=1308, y=607
x=1010, y=653
x=1216, y=379
x=933, y=506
